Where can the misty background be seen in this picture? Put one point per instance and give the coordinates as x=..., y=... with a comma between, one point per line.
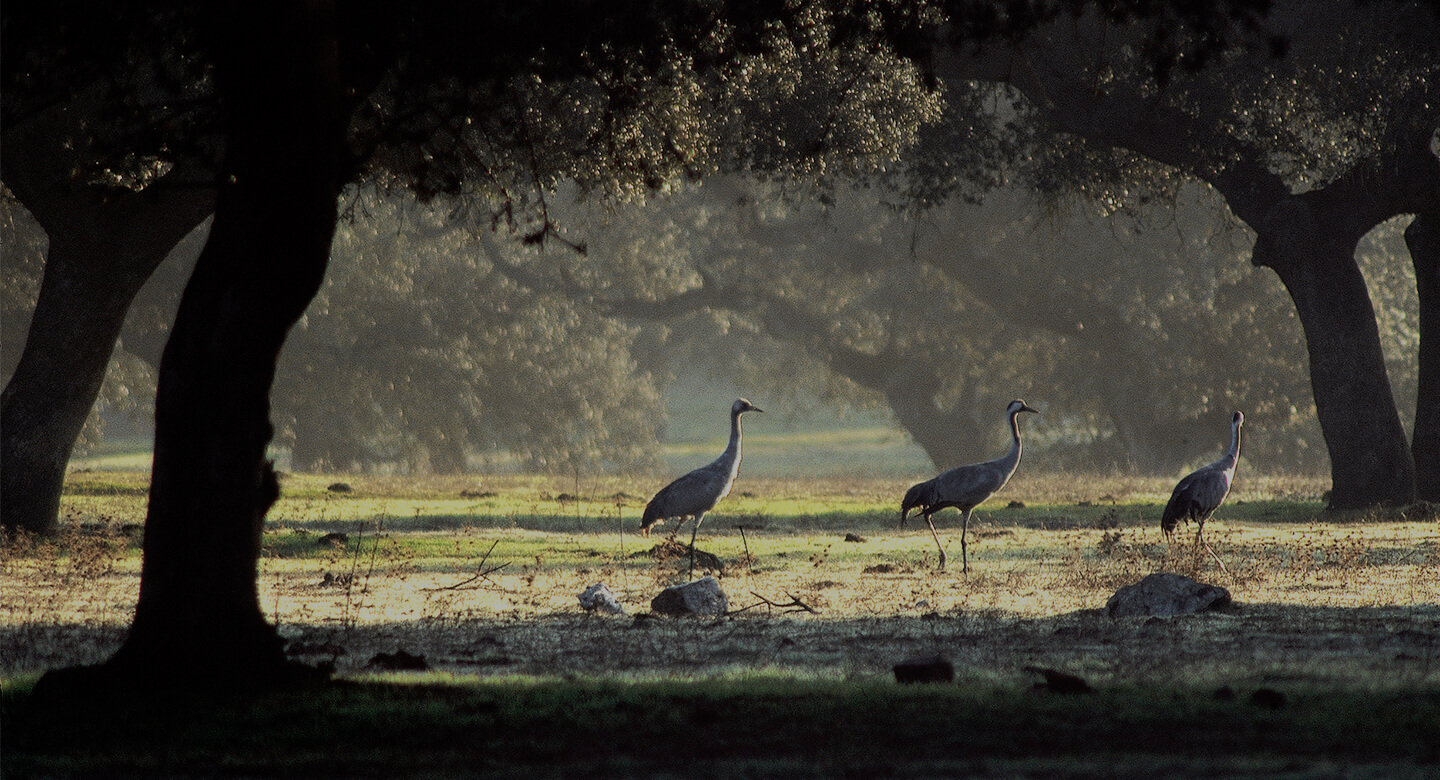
x=882, y=340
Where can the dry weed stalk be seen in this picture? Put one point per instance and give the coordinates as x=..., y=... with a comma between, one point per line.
x=794, y=605
x=483, y=573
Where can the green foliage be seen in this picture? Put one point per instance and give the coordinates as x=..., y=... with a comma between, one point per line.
x=24, y=244
x=418, y=354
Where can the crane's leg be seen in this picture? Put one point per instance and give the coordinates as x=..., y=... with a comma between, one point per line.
x=1200, y=542
x=941, y=547
x=693, y=532
x=964, y=554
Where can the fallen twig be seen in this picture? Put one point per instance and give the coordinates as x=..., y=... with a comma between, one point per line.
x=483, y=574
x=1416, y=549
x=795, y=604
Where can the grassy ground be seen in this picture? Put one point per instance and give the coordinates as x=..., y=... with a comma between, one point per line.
x=1335, y=613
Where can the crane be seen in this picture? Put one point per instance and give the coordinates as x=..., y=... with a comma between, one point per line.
x=699, y=491
x=1199, y=494
x=965, y=487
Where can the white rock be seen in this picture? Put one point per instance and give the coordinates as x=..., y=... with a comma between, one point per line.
x=598, y=596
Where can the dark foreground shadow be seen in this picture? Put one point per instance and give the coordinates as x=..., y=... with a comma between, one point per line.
x=759, y=726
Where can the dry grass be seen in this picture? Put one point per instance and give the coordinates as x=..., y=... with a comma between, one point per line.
x=486, y=583
x=1339, y=613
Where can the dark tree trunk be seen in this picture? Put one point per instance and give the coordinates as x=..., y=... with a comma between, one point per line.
x=49, y=397
x=446, y=454
x=1423, y=239
x=950, y=437
x=104, y=243
x=1314, y=255
x=198, y=623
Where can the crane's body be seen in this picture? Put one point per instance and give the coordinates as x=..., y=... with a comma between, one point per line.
x=965, y=487
x=1200, y=493
x=699, y=491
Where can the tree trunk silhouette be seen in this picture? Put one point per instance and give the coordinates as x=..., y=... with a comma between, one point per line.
x=198, y=622
x=1423, y=239
x=105, y=241
x=445, y=453
x=950, y=437
x=1314, y=256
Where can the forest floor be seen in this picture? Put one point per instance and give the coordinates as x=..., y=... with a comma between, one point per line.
x=1326, y=665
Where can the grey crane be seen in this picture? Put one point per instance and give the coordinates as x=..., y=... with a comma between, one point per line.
x=699, y=491
x=965, y=487
x=1199, y=494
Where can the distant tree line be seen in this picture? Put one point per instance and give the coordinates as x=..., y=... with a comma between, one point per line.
x=1139, y=331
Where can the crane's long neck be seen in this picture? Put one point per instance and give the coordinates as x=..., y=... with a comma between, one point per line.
x=1233, y=456
x=1012, y=458
x=732, y=450
x=1227, y=463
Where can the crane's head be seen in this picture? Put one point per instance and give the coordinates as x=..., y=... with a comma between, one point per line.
x=1017, y=406
x=1237, y=419
x=743, y=405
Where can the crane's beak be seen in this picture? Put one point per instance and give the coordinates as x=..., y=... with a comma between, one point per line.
x=1026, y=408
x=754, y=408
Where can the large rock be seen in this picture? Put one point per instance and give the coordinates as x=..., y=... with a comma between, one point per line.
x=1164, y=594
x=700, y=597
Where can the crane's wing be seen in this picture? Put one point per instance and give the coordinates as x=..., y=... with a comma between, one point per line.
x=691, y=494
x=920, y=495
x=1197, y=495
x=972, y=484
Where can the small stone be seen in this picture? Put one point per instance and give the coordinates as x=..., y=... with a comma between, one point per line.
x=399, y=660
x=1269, y=698
x=1060, y=682
x=931, y=669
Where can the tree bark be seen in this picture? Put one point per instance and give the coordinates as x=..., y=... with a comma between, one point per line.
x=198, y=622
x=1314, y=256
x=950, y=437
x=1423, y=239
x=105, y=241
